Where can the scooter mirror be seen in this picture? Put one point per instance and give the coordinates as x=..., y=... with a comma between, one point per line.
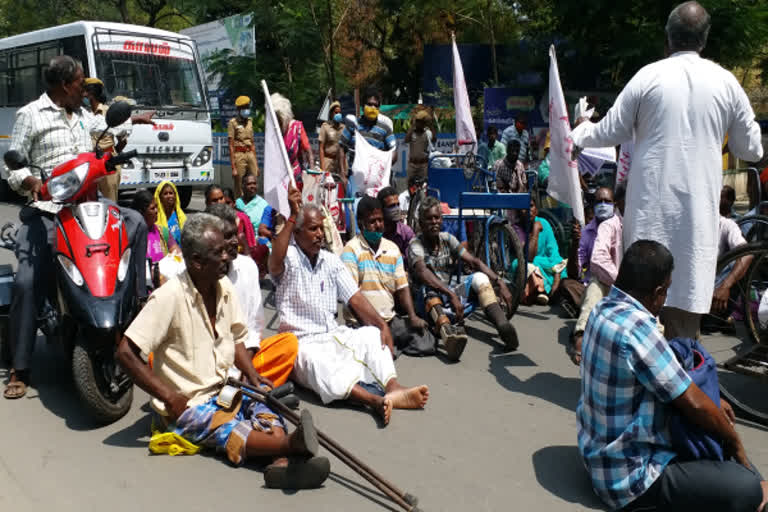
x=14, y=160
x=118, y=113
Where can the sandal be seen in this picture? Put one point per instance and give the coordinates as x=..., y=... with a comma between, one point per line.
x=298, y=474
x=572, y=351
x=15, y=389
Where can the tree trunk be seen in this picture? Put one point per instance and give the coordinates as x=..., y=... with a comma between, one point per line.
x=492, y=33
x=330, y=49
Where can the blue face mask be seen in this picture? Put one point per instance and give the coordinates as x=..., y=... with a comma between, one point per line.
x=603, y=211
x=337, y=118
x=87, y=102
x=246, y=112
x=373, y=237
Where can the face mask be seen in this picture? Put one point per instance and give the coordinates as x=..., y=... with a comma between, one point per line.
x=373, y=237
x=392, y=214
x=246, y=112
x=337, y=118
x=603, y=211
x=87, y=102
x=371, y=113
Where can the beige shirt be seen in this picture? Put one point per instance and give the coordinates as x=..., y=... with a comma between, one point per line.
x=241, y=134
x=329, y=138
x=188, y=356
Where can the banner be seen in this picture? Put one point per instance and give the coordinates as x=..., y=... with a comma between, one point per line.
x=371, y=168
x=278, y=173
x=465, y=127
x=563, y=171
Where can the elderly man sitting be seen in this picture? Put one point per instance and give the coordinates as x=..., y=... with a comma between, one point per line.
x=631, y=384
x=274, y=356
x=377, y=266
x=194, y=326
x=336, y=362
x=433, y=257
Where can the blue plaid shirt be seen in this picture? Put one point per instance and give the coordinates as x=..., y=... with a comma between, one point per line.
x=379, y=134
x=629, y=373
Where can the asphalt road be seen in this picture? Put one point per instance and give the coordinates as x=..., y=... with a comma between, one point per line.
x=499, y=433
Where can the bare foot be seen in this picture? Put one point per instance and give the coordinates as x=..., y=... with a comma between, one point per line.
x=384, y=409
x=411, y=398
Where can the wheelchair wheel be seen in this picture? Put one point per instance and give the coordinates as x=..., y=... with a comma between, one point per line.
x=742, y=353
x=757, y=227
x=505, y=257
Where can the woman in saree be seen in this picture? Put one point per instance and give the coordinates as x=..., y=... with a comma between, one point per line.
x=547, y=267
x=294, y=137
x=170, y=216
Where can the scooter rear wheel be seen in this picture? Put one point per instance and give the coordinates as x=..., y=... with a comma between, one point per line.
x=93, y=372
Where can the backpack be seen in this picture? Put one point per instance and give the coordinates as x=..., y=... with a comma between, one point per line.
x=688, y=440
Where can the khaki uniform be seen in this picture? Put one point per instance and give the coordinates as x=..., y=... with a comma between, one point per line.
x=418, y=154
x=244, y=157
x=329, y=140
x=108, y=186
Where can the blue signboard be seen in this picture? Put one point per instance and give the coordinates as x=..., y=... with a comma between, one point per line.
x=502, y=104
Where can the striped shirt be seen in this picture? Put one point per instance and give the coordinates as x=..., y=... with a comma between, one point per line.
x=307, y=297
x=441, y=260
x=510, y=133
x=44, y=135
x=629, y=375
x=378, y=273
x=379, y=134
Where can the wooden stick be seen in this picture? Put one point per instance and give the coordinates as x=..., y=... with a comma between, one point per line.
x=405, y=500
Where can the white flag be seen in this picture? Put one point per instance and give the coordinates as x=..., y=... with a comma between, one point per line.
x=278, y=173
x=465, y=127
x=625, y=162
x=371, y=168
x=563, y=172
x=325, y=110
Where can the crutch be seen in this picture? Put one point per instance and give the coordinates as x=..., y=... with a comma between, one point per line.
x=405, y=500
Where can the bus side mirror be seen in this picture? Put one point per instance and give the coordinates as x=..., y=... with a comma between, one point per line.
x=118, y=113
x=14, y=160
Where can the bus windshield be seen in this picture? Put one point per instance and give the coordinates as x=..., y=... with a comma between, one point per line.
x=155, y=81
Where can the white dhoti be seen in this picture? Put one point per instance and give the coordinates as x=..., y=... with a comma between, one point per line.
x=332, y=364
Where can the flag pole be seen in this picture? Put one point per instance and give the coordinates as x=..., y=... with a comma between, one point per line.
x=271, y=112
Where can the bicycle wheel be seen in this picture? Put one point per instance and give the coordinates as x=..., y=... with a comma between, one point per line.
x=756, y=227
x=413, y=210
x=505, y=257
x=743, y=358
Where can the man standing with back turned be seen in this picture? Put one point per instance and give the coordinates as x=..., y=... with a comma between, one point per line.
x=679, y=110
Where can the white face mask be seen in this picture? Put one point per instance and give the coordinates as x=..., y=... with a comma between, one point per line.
x=603, y=211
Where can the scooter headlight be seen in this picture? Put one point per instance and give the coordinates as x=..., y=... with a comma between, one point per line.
x=125, y=261
x=71, y=270
x=65, y=186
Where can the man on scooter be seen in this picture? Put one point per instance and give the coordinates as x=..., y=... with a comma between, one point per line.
x=47, y=132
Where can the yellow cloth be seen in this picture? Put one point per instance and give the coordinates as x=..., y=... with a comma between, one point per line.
x=188, y=356
x=171, y=443
x=162, y=220
x=242, y=101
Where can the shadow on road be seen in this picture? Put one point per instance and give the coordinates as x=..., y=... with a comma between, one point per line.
x=561, y=391
x=132, y=436
x=560, y=471
x=52, y=385
x=366, y=492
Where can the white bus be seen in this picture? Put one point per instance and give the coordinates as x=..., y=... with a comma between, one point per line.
x=155, y=69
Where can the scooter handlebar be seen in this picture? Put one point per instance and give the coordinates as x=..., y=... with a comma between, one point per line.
x=120, y=159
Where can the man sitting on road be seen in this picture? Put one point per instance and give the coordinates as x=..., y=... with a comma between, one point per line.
x=631, y=382
x=433, y=257
x=720, y=318
x=395, y=229
x=195, y=327
x=603, y=261
x=377, y=267
x=336, y=362
x=272, y=357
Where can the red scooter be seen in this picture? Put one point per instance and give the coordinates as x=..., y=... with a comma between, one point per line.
x=95, y=293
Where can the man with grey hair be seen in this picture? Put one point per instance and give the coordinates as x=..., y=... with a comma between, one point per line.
x=195, y=329
x=47, y=132
x=335, y=361
x=679, y=111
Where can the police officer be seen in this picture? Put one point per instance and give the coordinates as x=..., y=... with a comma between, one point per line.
x=242, y=149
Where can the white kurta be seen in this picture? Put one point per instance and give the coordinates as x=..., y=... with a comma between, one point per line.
x=679, y=110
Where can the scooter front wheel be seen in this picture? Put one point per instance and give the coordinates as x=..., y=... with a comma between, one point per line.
x=104, y=389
